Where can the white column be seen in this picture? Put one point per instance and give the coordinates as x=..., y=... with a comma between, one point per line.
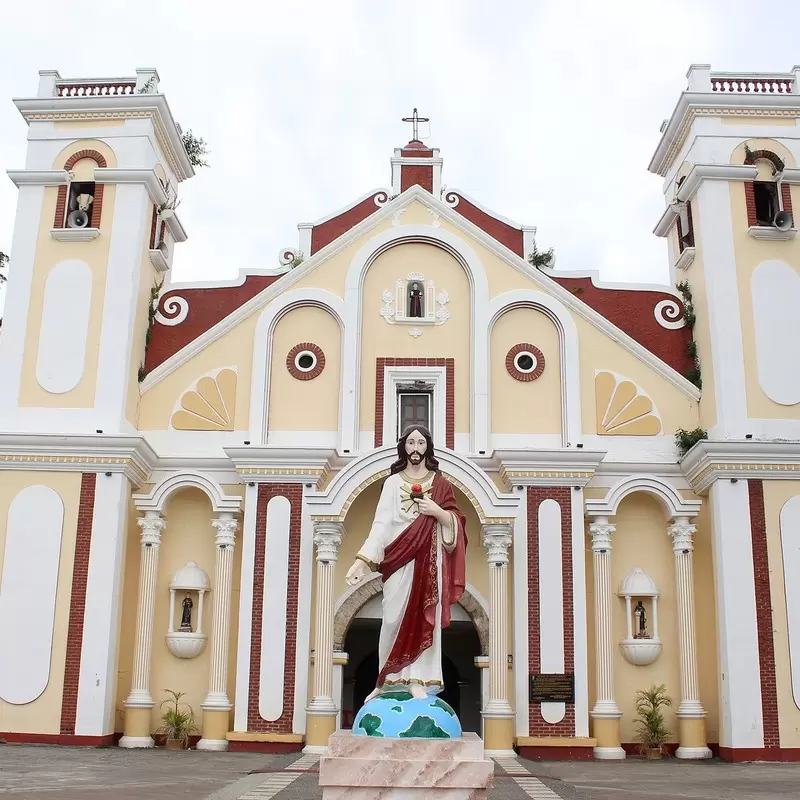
x=327, y=538
x=139, y=697
x=497, y=540
x=605, y=706
x=690, y=706
x=217, y=699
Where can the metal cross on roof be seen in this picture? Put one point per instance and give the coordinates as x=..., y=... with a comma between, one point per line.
x=415, y=119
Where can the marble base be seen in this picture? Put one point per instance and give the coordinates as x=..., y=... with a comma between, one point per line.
x=371, y=768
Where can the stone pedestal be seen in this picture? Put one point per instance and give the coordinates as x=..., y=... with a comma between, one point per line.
x=368, y=768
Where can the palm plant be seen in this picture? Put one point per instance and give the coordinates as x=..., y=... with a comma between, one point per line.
x=178, y=720
x=652, y=733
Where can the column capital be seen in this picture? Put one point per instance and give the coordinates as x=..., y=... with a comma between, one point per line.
x=151, y=524
x=682, y=532
x=328, y=538
x=225, y=526
x=496, y=538
x=601, y=531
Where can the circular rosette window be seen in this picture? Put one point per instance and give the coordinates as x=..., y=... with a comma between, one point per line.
x=305, y=361
x=525, y=362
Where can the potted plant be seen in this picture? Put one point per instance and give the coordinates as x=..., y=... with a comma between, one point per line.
x=177, y=721
x=652, y=733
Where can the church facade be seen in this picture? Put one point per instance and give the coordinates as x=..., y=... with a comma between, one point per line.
x=187, y=470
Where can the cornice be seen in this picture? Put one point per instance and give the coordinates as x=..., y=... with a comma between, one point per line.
x=115, y=107
x=685, y=259
x=74, y=234
x=281, y=464
x=539, y=279
x=572, y=467
x=666, y=222
x=158, y=261
x=130, y=455
x=176, y=229
x=708, y=461
x=692, y=104
x=790, y=175
x=38, y=177
x=148, y=177
x=714, y=172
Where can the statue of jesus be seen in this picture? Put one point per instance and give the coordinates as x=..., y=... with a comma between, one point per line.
x=418, y=543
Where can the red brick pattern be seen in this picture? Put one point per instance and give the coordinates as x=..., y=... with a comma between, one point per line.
x=512, y=367
x=766, y=647
x=450, y=402
x=81, y=154
x=416, y=175
x=59, y=219
x=332, y=229
x=679, y=229
x=77, y=606
x=312, y=373
x=96, y=211
x=294, y=493
x=749, y=190
x=562, y=495
x=153, y=226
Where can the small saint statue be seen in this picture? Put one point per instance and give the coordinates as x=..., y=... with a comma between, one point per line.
x=186, y=617
x=641, y=621
x=416, y=301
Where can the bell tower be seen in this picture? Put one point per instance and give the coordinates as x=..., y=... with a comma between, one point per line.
x=91, y=244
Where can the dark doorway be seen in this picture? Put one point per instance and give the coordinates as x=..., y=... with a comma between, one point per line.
x=462, y=680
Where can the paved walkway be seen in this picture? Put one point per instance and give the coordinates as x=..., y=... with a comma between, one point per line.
x=64, y=773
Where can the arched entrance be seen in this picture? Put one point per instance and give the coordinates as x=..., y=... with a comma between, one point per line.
x=356, y=629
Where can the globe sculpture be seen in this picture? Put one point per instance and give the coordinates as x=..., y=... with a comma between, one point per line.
x=400, y=715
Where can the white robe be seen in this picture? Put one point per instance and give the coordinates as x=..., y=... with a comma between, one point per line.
x=394, y=513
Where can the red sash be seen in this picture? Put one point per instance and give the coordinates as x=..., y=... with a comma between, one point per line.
x=417, y=543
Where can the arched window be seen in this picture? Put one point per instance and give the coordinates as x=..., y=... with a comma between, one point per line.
x=80, y=204
x=764, y=197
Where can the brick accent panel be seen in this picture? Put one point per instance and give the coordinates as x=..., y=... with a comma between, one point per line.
x=77, y=605
x=749, y=189
x=679, y=229
x=562, y=495
x=750, y=203
x=416, y=175
x=450, y=400
x=153, y=226
x=59, y=220
x=81, y=154
x=766, y=646
x=97, y=206
x=511, y=367
x=294, y=493
x=330, y=230
x=312, y=373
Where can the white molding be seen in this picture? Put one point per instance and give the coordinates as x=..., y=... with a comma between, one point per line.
x=685, y=259
x=708, y=462
x=398, y=374
x=521, y=622
x=666, y=221
x=130, y=455
x=176, y=229
x=714, y=172
x=263, y=344
x=74, y=234
x=159, y=262
x=789, y=523
x=790, y=175
x=579, y=622
x=569, y=352
x=331, y=500
x=38, y=177
x=486, y=210
x=148, y=177
x=306, y=570
x=770, y=233
x=156, y=499
x=565, y=467
x=115, y=106
x=673, y=504
x=262, y=464
x=339, y=211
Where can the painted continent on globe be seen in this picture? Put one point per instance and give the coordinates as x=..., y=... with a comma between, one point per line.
x=399, y=715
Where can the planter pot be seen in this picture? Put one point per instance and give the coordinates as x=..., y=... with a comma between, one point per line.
x=175, y=744
x=652, y=752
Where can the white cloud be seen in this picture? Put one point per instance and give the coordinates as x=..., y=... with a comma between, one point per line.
x=546, y=111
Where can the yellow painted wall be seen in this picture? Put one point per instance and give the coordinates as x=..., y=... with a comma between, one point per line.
x=188, y=536
x=313, y=405
x=235, y=349
x=776, y=494
x=43, y=715
x=450, y=340
x=50, y=252
x=750, y=253
x=641, y=539
x=535, y=406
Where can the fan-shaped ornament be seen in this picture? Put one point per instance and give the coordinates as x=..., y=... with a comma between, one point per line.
x=209, y=406
x=623, y=409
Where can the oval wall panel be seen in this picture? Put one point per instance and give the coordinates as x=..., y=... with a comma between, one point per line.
x=776, y=299
x=65, y=327
x=790, y=545
x=28, y=588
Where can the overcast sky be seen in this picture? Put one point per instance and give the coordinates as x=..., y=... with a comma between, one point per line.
x=546, y=111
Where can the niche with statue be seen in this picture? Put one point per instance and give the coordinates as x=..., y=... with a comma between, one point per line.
x=641, y=646
x=187, y=591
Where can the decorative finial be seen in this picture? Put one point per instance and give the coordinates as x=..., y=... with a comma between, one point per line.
x=415, y=119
